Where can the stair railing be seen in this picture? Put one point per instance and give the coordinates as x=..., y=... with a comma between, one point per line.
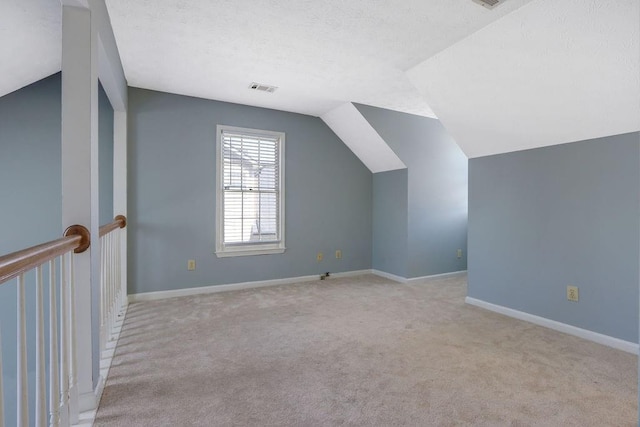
x=62, y=395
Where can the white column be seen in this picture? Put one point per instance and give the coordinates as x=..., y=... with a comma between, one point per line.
x=80, y=173
x=120, y=187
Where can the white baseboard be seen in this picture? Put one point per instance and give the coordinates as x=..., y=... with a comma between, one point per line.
x=351, y=273
x=389, y=276
x=414, y=280
x=607, y=340
x=436, y=276
x=152, y=296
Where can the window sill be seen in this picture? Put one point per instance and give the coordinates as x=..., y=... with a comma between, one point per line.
x=225, y=253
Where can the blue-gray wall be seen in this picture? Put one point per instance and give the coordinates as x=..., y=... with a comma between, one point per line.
x=30, y=165
x=437, y=189
x=390, y=222
x=105, y=148
x=542, y=219
x=31, y=208
x=172, y=195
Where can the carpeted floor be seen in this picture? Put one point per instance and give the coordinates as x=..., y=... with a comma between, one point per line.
x=361, y=351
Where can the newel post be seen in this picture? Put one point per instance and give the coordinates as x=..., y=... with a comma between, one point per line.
x=80, y=176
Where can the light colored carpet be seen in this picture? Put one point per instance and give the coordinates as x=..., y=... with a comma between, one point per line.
x=360, y=351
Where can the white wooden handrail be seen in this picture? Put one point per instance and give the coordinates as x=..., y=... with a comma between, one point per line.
x=113, y=300
x=62, y=360
x=57, y=257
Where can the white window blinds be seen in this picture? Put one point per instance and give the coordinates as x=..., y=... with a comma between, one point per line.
x=251, y=187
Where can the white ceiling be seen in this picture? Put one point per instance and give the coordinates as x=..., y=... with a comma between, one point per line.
x=549, y=73
x=320, y=54
x=30, y=42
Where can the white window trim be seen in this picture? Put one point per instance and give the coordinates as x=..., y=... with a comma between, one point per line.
x=247, y=249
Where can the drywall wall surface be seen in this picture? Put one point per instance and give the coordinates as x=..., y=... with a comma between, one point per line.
x=390, y=222
x=437, y=189
x=105, y=155
x=172, y=195
x=31, y=208
x=30, y=165
x=542, y=219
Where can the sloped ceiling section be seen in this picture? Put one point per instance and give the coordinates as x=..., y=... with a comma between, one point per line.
x=320, y=54
x=354, y=130
x=30, y=42
x=551, y=72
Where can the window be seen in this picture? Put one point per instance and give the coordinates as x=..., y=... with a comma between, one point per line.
x=249, y=192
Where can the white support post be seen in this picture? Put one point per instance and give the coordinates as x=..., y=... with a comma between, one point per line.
x=80, y=176
x=120, y=190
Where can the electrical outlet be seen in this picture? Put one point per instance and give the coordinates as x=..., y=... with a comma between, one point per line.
x=320, y=256
x=459, y=253
x=338, y=254
x=572, y=293
x=191, y=264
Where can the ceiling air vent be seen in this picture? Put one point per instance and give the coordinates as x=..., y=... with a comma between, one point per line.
x=262, y=88
x=489, y=4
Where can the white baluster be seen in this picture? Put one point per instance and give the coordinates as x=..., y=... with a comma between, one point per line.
x=110, y=283
x=107, y=290
x=112, y=265
x=122, y=283
x=1, y=386
x=114, y=282
x=23, y=397
x=73, y=373
x=112, y=294
x=64, y=343
x=41, y=405
x=103, y=294
x=118, y=273
x=54, y=383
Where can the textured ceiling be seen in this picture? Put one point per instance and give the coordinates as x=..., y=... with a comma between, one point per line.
x=320, y=54
x=30, y=42
x=549, y=73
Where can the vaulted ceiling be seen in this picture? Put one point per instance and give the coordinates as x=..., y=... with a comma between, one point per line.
x=318, y=53
x=551, y=72
x=30, y=42
x=527, y=73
